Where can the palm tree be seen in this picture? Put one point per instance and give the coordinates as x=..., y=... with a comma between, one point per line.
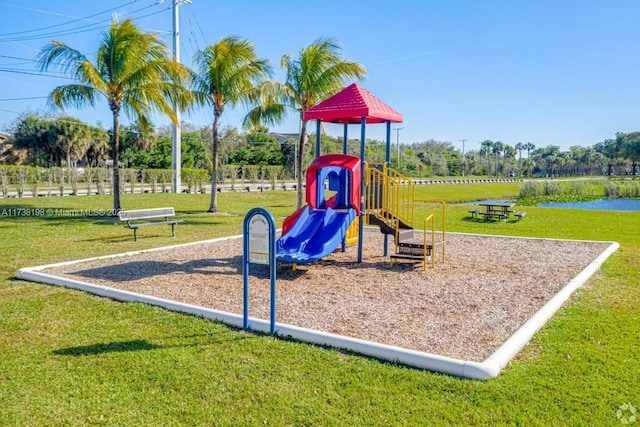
x=71, y=137
x=528, y=164
x=133, y=72
x=140, y=137
x=519, y=148
x=508, y=153
x=529, y=146
x=498, y=146
x=318, y=72
x=98, y=147
x=586, y=156
x=486, y=148
x=229, y=73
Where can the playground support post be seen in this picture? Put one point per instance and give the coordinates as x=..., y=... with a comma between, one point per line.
x=345, y=149
x=385, y=249
x=318, y=123
x=345, y=145
x=363, y=122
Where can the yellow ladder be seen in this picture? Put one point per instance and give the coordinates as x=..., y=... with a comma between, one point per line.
x=390, y=199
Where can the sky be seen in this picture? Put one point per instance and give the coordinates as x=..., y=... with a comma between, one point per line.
x=550, y=72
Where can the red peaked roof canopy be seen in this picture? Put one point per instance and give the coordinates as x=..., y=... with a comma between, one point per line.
x=350, y=105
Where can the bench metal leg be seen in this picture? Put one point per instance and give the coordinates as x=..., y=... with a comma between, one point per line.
x=135, y=234
x=173, y=230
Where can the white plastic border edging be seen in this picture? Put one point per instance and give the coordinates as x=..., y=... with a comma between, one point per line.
x=492, y=366
x=489, y=368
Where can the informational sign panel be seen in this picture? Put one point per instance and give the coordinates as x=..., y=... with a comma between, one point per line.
x=259, y=239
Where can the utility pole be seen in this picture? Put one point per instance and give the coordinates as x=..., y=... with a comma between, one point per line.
x=398, y=144
x=176, y=158
x=464, y=163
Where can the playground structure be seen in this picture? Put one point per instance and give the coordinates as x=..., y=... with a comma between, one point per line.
x=375, y=194
x=318, y=228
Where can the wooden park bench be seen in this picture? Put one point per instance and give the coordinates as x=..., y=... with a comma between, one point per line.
x=159, y=216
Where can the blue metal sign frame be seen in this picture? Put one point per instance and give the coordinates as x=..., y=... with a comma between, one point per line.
x=256, y=215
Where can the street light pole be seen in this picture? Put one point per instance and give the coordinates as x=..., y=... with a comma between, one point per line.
x=398, y=144
x=464, y=163
x=176, y=156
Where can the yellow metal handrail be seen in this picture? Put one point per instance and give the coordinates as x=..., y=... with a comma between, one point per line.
x=433, y=243
x=444, y=221
x=431, y=219
x=390, y=194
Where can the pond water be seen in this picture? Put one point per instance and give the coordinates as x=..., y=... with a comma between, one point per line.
x=603, y=205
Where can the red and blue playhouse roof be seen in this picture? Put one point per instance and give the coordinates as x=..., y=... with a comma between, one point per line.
x=350, y=105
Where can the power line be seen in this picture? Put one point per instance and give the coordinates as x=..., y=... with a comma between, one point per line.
x=18, y=58
x=107, y=21
x=14, y=64
x=193, y=39
x=64, y=23
x=97, y=25
x=9, y=111
x=29, y=73
x=204, y=38
x=23, y=99
x=151, y=14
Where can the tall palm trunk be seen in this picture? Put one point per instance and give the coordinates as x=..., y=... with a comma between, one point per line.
x=301, y=144
x=520, y=162
x=488, y=165
x=115, y=155
x=213, y=206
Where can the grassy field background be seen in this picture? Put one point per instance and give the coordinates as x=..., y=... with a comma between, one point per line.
x=70, y=358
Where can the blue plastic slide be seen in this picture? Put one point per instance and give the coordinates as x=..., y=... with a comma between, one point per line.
x=315, y=234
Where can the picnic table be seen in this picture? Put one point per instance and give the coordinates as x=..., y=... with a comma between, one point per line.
x=494, y=210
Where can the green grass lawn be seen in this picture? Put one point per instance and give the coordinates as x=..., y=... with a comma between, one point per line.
x=70, y=358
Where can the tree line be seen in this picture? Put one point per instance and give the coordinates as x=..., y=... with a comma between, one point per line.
x=64, y=141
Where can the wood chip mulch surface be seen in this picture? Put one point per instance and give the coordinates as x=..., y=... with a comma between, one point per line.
x=465, y=308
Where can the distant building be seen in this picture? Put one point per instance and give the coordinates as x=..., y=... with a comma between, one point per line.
x=109, y=164
x=284, y=137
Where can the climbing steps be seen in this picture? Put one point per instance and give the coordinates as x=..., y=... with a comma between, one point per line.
x=390, y=205
x=410, y=244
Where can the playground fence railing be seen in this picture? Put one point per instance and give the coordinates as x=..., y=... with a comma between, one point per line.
x=389, y=192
